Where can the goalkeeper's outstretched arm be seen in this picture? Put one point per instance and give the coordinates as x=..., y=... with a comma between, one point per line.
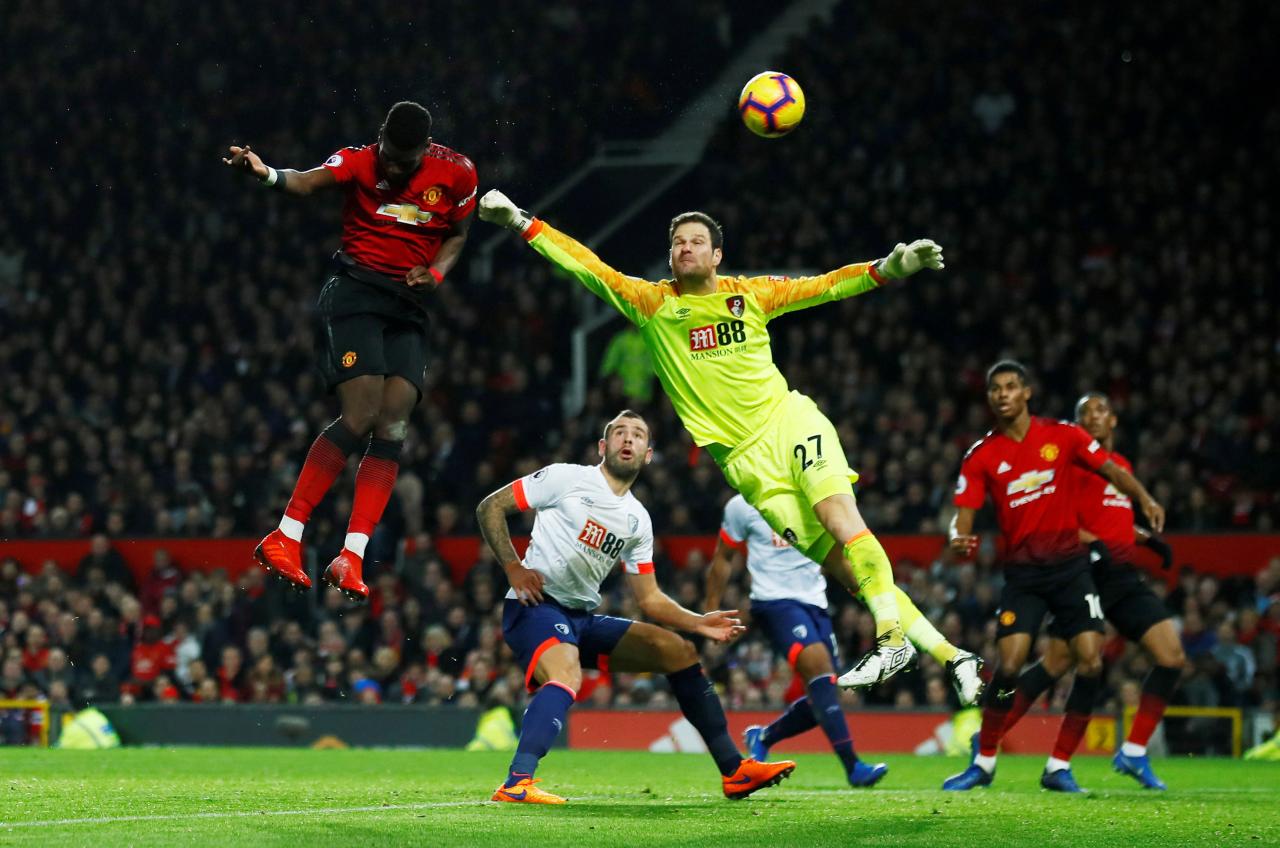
x=780, y=297
x=633, y=297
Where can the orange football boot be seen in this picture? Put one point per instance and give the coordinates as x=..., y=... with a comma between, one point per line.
x=524, y=792
x=344, y=572
x=753, y=775
x=278, y=553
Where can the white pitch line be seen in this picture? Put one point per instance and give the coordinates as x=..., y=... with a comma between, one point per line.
x=243, y=814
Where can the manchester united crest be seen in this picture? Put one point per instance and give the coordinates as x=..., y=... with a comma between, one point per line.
x=737, y=305
x=432, y=196
x=348, y=359
x=1049, y=452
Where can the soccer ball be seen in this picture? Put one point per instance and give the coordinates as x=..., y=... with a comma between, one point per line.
x=771, y=104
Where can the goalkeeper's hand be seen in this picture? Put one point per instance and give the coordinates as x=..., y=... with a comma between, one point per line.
x=497, y=208
x=906, y=259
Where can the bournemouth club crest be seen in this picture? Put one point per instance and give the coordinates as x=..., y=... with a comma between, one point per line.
x=737, y=305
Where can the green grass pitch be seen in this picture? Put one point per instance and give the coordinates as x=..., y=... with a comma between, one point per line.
x=264, y=797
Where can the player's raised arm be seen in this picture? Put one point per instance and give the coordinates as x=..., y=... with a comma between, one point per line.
x=780, y=296
x=1129, y=485
x=287, y=180
x=635, y=298
x=491, y=517
x=661, y=608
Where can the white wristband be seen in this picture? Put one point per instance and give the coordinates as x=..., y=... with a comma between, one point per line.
x=271, y=177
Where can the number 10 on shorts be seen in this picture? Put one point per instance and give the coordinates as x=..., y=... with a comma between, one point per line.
x=1095, y=605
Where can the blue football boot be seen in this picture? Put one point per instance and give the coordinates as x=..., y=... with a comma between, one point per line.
x=1139, y=768
x=1060, y=781
x=971, y=778
x=867, y=774
x=753, y=738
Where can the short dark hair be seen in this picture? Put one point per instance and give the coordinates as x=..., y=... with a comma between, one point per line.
x=626, y=413
x=1008, y=366
x=717, y=234
x=1088, y=396
x=408, y=125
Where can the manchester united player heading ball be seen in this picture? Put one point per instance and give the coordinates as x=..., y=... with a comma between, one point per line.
x=404, y=222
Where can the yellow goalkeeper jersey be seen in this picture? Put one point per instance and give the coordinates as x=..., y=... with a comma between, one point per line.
x=711, y=352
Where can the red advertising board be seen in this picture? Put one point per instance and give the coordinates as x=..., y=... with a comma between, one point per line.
x=873, y=732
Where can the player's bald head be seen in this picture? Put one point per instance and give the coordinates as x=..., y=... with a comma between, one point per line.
x=626, y=414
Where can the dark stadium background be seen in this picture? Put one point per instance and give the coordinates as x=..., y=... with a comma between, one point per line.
x=1114, y=229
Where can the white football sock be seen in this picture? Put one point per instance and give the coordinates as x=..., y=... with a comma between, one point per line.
x=356, y=543
x=1056, y=764
x=987, y=764
x=1133, y=749
x=292, y=528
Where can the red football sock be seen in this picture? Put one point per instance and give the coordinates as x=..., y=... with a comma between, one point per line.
x=325, y=461
x=1150, y=711
x=1084, y=692
x=374, y=482
x=997, y=701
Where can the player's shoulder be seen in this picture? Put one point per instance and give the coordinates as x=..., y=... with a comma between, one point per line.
x=985, y=443
x=559, y=471
x=749, y=285
x=450, y=158
x=737, y=507
x=352, y=155
x=1121, y=460
x=1057, y=424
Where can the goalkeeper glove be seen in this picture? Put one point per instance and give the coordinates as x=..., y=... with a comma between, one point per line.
x=906, y=259
x=497, y=208
x=1161, y=547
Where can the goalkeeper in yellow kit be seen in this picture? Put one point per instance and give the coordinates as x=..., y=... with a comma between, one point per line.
x=712, y=354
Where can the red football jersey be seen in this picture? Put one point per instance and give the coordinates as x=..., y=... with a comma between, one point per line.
x=1033, y=485
x=1105, y=512
x=391, y=230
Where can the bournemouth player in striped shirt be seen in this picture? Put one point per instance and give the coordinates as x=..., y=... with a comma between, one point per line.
x=1106, y=526
x=1028, y=466
x=711, y=351
x=587, y=521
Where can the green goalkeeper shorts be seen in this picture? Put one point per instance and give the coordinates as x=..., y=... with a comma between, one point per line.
x=787, y=466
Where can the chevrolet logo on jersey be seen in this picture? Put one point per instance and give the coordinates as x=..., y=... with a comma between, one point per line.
x=1029, y=482
x=405, y=213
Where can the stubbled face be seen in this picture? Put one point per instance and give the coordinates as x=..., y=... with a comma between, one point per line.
x=1096, y=417
x=397, y=164
x=692, y=256
x=626, y=449
x=1007, y=395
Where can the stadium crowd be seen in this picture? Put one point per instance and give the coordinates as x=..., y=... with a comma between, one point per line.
x=97, y=638
x=155, y=357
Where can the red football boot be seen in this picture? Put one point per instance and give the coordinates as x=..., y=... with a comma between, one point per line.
x=344, y=572
x=278, y=553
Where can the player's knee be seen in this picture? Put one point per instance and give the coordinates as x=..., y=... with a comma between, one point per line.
x=358, y=418
x=1090, y=665
x=1171, y=655
x=1056, y=664
x=680, y=654
x=391, y=429
x=568, y=676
